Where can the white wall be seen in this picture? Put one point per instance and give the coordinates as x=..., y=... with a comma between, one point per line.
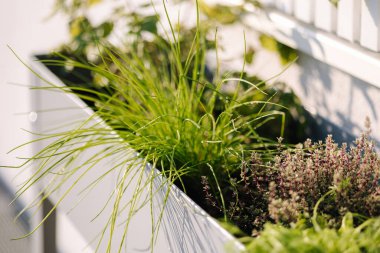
x=22, y=27
x=336, y=96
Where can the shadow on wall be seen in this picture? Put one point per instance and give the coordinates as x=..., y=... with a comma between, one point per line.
x=9, y=227
x=342, y=101
x=372, y=7
x=321, y=71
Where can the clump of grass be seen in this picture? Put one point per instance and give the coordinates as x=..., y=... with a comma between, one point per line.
x=298, y=121
x=163, y=108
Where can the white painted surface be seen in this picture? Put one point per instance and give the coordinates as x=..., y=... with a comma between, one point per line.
x=334, y=78
x=304, y=10
x=325, y=15
x=268, y=3
x=323, y=46
x=69, y=240
x=285, y=5
x=24, y=28
x=370, y=24
x=225, y=2
x=348, y=21
x=333, y=94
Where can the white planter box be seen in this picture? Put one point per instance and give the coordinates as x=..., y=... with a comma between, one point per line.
x=185, y=227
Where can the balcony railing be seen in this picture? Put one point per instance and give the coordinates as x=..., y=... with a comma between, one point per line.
x=346, y=36
x=357, y=21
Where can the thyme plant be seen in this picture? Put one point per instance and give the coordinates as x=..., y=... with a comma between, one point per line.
x=288, y=188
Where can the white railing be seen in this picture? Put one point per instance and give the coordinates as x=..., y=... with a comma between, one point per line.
x=354, y=20
x=338, y=72
x=346, y=37
x=357, y=21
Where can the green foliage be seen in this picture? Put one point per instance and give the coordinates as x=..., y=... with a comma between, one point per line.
x=300, y=238
x=162, y=105
x=221, y=13
x=286, y=54
x=85, y=35
x=169, y=114
x=335, y=2
x=296, y=117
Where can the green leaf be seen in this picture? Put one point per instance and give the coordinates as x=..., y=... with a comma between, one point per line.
x=78, y=26
x=287, y=54
x=149, y=24
x=93, y=2
x=249, y=56
x=268, y=42
x=105, y=28
x=335, y=2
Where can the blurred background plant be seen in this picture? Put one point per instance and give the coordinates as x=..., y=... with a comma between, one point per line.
x=335, y=2
x=286, y=54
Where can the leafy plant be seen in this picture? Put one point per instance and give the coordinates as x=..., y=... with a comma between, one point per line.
x=286, y=54
x=300, y=238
